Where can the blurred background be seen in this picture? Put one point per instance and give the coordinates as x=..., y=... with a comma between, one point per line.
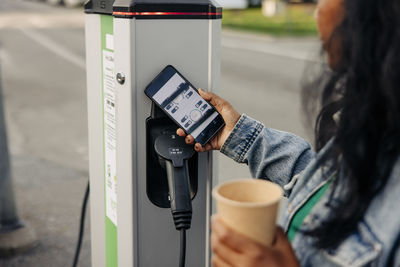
x=266, y=47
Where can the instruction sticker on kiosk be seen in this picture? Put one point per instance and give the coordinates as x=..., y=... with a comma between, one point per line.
x=182, y=103
x=110, y=135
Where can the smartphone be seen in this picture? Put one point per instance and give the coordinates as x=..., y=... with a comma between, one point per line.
x=180, y=100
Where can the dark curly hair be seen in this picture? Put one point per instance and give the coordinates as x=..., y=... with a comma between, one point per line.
x=364, y=88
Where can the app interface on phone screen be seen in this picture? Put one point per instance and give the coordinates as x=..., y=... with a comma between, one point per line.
x=185, y=105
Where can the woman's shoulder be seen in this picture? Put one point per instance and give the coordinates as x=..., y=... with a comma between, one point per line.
x=383, y=216
x=377, y=239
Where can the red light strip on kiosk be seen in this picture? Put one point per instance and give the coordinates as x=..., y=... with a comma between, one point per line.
x=118, y=13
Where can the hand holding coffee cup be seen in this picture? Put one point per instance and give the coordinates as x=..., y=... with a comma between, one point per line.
x=249, y=207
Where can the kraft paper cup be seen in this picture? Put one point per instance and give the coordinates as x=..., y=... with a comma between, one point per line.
x=249, y=207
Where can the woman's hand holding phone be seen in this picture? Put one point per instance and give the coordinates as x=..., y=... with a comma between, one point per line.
x=230, y=116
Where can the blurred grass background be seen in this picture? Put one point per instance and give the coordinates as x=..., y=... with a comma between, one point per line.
x=297, y=20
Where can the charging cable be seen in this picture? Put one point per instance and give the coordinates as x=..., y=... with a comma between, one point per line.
x=81, y=226
x=183, y=248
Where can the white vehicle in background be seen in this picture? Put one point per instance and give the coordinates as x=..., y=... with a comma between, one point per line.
x=67, y=3
x=73, y=3
x=53, y=2
x=233, y=4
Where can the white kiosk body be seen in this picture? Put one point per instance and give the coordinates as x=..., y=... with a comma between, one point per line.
x=131, y=224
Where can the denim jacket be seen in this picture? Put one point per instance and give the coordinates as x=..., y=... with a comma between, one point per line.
x=289, y=161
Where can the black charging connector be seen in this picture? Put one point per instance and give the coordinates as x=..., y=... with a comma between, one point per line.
x=179, y=191
x=175, y=152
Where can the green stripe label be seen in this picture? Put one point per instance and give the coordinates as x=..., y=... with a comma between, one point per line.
x=109, y=138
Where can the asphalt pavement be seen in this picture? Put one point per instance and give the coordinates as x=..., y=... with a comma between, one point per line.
x=43, y=74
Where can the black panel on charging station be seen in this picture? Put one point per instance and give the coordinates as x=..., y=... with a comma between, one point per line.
x=99, y=7
x=167, y=9
x=156, y=176
x=156, y=9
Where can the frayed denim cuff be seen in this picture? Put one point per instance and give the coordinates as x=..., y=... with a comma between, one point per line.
x=241, y=138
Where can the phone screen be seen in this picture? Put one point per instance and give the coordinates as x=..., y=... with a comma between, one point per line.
x=181, y=101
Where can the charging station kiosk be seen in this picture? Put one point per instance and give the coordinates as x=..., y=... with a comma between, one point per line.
x=128, y=43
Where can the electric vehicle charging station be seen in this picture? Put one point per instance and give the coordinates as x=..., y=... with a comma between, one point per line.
x=128, y=43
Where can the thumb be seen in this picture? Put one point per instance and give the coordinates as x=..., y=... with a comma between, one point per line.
x=283, y=246
x=215, y=100
x=281, y=241
x=206, y=95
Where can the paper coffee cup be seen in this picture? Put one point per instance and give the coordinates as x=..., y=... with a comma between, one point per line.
x=249, y=207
